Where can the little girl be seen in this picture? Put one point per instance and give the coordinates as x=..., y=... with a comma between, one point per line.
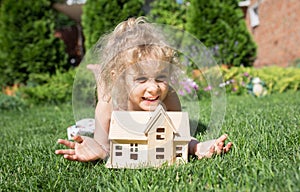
x=135, y=66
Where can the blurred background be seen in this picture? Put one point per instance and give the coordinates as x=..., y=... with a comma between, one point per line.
x=42, y=42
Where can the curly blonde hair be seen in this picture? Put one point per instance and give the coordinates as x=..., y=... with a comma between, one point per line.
x=132, y=41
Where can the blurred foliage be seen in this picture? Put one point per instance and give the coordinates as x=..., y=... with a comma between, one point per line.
x=11, y=102
x=276, y=79
x=239, y=80
x=62, y=21
x=43, y=88
x=27, y=41
x=100, y=17
x=220, y=25
x=168, y=12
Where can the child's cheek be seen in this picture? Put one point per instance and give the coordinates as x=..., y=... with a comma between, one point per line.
x=165, y=89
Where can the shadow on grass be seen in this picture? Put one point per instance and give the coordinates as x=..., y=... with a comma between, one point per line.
x=200, y=128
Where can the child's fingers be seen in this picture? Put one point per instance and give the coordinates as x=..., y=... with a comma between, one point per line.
x=71, y=157
x=227, y=147
x=65, y=152
x=220, y=145
x=222, y=138
x=76, y=158
x=78, y=139
x=217, y=148
x=67, y=143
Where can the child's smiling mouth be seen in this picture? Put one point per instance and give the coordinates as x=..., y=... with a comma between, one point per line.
x=150, y=98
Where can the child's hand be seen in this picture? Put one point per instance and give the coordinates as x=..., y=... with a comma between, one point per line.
x=217, y=148
x=83, y=149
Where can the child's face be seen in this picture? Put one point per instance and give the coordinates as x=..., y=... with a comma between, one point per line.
x=147, y=85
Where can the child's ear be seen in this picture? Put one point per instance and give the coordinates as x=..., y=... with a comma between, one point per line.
x=113, y=74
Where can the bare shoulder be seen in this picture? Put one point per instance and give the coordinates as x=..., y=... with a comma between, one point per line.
x=172, y=101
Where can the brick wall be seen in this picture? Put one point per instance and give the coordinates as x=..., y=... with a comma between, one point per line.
x=278, y=33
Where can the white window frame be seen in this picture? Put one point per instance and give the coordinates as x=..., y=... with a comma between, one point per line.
x=254, y=17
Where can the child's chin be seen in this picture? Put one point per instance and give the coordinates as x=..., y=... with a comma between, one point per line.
x=150, y=107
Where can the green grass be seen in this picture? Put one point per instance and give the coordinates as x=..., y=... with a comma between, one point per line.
x=265, y=156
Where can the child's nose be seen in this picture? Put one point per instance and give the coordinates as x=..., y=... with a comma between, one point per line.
x=153, y=86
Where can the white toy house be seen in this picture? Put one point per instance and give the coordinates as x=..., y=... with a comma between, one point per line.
x=148, y=139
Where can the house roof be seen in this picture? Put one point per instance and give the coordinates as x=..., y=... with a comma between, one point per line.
x=132, y=125
x=159, y=113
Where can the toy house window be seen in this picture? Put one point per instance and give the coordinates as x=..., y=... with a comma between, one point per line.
x=133, y=151
x=160, y=152
x=118, y=147
x=118, y=150
x=118, y=153
x=133, y=156
x=160, y=156
x=160, y=133
x=179, y=150
x=134, y=147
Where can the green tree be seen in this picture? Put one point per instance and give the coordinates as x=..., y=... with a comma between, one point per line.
x=27, y=41
x=168, y=12
x=220, y=25
x=101, y=16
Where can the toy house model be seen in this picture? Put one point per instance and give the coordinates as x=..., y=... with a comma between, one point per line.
x=148, y=139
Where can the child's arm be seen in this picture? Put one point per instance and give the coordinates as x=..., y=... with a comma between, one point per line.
x=102, y=122
x=217, y=147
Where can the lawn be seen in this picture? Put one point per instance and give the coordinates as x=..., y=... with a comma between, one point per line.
x=265, y=156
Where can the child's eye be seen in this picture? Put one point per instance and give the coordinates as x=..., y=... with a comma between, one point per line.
x=141, y=79
x=161, y=78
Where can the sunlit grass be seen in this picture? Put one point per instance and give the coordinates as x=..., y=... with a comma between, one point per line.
x=265, y=155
